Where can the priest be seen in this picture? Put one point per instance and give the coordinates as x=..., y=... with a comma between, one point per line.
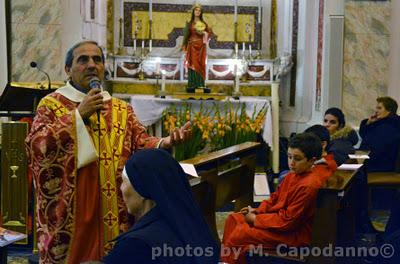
x=79, y=142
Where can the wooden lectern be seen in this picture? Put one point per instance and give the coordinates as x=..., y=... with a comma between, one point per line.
x=16, y=102
x=19, y=101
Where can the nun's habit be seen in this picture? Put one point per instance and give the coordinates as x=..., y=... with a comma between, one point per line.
x=174, y=231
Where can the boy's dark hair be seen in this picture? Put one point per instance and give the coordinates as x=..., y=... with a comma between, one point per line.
x=337, y=112
x=308, y=143
x=389, y=103
x=320, y=131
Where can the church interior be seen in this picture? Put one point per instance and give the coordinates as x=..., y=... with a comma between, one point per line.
x=227, y=87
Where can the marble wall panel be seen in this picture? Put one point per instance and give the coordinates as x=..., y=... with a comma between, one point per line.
x=36, y=36
x=366, y=57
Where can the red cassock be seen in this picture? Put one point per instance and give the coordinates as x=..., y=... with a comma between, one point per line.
x=285, y=218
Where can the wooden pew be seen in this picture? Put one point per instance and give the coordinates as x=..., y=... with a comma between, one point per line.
x=334, y=203
x=225, y=175
x=389, y=179
x=204, y=194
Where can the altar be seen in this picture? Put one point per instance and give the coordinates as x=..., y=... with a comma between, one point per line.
x=149, y=110
x=149, y=61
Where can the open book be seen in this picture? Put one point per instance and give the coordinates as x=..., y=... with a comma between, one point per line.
x=9, y=236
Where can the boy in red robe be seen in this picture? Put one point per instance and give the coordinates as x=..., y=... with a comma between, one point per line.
x=287, y=216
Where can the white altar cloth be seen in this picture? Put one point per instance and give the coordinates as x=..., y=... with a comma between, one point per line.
x=149, y=109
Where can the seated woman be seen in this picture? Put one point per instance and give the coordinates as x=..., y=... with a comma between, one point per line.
x=380, y=134
x=169, y=225
x=343, y=138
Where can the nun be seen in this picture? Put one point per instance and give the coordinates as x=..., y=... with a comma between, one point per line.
x=169, y=226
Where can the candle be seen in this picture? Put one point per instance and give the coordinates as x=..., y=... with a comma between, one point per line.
x=134, y=45
x=163, y=82
x=235, y=15
x=142, y=44
x=157, y=68
x=236, y=49
x=259, y=11
x=150, y=45
x=243, y=47
x=150, y=10
x=237, y=81
x=121, y=8
x=250, y=50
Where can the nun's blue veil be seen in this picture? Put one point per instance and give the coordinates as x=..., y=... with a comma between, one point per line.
x=156, y=175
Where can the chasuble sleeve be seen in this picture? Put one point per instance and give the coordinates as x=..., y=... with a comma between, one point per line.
x=300, y=207
x=138, y=134
x=51, y=136
x=51, y=149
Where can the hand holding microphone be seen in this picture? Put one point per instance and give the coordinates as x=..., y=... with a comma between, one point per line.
x=93, y=102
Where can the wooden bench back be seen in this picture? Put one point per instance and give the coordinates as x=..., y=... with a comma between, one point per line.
x=204, y=194
x=225, y=175
x=397, y=168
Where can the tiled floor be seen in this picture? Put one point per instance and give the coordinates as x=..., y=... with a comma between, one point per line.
x=221, y=217
x=379, y=219
x=21, y=257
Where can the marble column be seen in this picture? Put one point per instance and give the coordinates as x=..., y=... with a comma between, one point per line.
x=394, y=55
x=275, y=125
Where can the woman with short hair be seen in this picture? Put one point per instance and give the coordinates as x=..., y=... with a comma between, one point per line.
x=380, y=133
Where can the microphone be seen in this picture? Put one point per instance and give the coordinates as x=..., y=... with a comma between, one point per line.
x=34, y=65
x=93, y=84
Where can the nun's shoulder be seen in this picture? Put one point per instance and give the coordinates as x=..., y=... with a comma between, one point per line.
x=130, y=250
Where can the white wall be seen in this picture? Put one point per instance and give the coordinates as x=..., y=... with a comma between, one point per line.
x=294, y=119
x=3, y=47
x=72, y=22
x=332, y=62
x=303, y=114
x=77, y=24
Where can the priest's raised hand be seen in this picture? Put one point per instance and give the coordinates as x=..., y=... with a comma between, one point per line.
x=177, y=136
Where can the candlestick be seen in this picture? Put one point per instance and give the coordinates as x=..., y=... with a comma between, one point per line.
x=157, y=68
x=237, y=81
x=150, y=10
x=150, y=45
x=163, y=82
x=120, y=50
x=236, y=49
x=121, y=8
x=236, y=10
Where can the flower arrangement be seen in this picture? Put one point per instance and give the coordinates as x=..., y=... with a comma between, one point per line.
x=213, y=129
x=200, y=26
x=201, y=127
x=235, y=126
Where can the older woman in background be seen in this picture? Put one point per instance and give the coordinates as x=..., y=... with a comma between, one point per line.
x=380, y=133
